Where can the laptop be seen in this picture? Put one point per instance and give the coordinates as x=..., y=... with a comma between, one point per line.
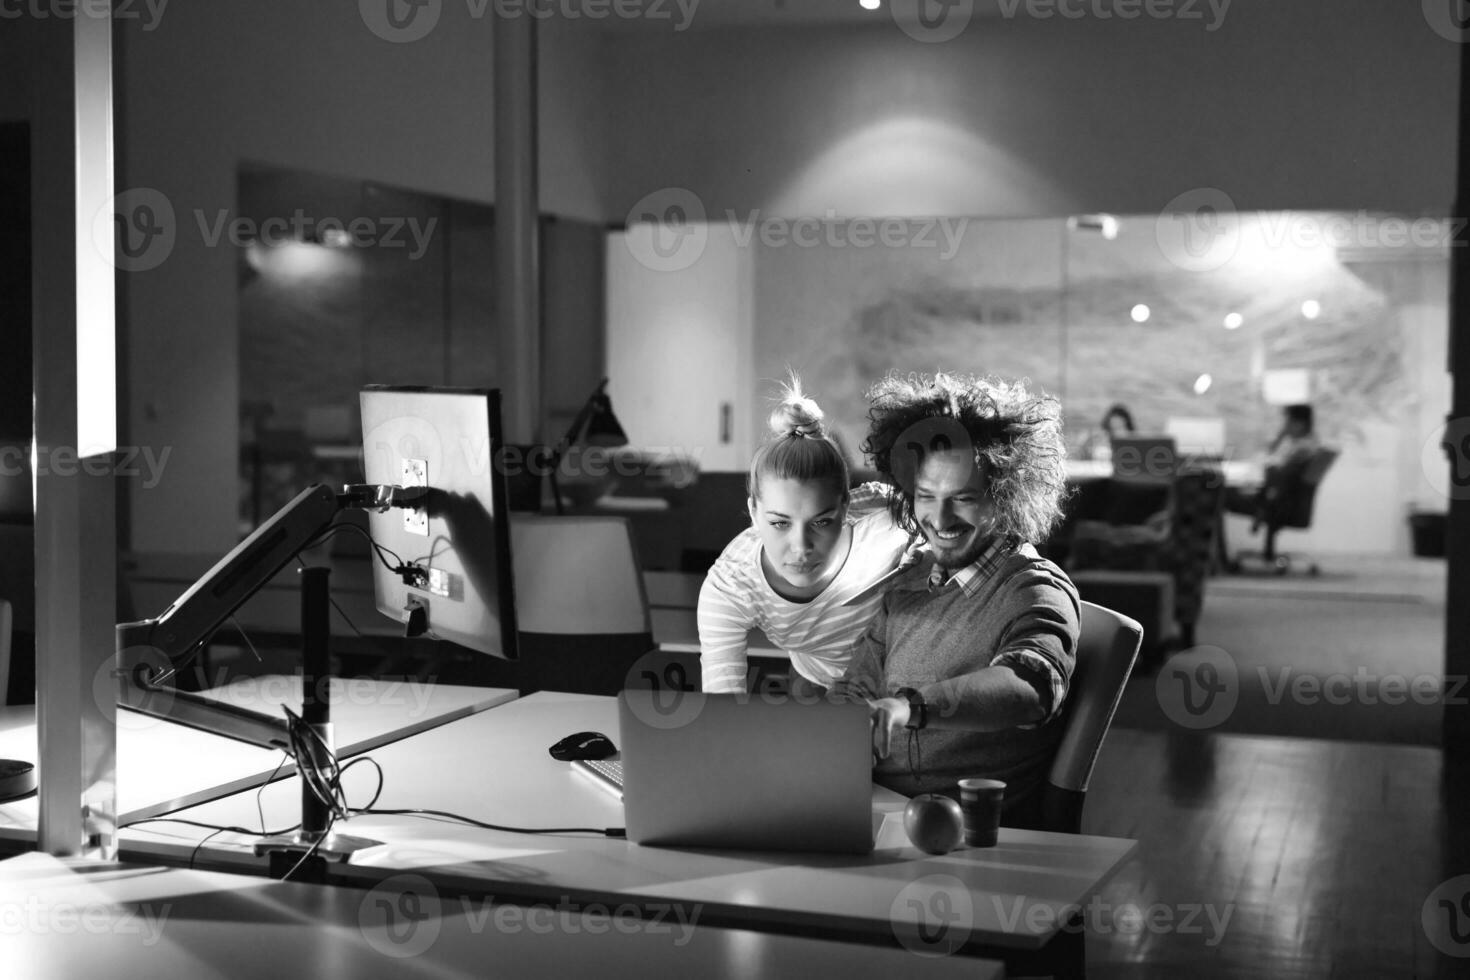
x=1145, y=458
x=757, y=772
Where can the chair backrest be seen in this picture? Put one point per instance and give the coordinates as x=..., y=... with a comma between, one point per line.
x=1107, y=646
x=577, y=575
x=581, y=606
x=1299, y=490
x=6, y=620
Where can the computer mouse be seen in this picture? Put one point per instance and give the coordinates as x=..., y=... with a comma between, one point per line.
x=583, y=745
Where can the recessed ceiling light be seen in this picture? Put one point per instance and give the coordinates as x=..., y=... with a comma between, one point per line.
x=870, y=4
x=1233, y=321
x=1140, y=313
x=1311, y=309
x=1202, y=384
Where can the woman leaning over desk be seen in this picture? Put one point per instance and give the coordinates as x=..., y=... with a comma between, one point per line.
x=806, y=571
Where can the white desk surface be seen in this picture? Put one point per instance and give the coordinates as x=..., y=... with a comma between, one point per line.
x=1237, y=472
x=494, y=767
x=78, y=918
x=162, y=766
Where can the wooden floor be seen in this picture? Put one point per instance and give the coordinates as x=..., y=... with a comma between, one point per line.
x=1277, y=857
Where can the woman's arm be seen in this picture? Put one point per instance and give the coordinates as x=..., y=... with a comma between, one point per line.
x=725, y=617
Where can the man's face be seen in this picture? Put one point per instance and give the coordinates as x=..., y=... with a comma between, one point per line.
x=953, y=507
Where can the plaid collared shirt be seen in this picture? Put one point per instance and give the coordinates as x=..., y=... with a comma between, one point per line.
x=1030, y=664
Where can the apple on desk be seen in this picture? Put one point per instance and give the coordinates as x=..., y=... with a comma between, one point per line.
x=935, y=824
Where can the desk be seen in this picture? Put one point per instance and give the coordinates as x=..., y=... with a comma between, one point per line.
x=493, y=766
x=162, y=766
x=75, y=918
x=1237, y=472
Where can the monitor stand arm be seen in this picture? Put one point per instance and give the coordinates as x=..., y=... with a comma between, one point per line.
x=311, y=847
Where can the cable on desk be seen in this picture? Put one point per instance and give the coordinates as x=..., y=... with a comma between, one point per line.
x=378, y=792
x=311, y=850
x=217, y=828
x=604, y=831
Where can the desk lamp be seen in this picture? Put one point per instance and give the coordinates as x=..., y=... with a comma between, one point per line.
x=595, y=425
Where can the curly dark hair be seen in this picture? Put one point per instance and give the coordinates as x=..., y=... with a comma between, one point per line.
x=1017, y=435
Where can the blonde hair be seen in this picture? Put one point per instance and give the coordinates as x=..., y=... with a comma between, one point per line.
x=799, y=447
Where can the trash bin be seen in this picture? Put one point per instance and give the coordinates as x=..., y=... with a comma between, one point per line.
x=1428, y=531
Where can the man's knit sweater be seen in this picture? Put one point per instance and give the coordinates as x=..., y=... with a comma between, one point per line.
x=1011, y=607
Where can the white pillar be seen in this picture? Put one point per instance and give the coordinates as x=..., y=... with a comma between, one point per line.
x=74, y=329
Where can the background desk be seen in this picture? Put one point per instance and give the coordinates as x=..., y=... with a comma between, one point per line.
x=493, y=767
x=162, y=766
x=73, y=918
x=1237, y=472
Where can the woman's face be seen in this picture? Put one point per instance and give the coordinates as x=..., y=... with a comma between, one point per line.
x=800, y=526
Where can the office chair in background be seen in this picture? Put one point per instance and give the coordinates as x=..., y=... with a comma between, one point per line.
x=1287, y=502
x=581, y=607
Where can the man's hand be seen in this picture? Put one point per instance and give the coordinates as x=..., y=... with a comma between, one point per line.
x=888, y=716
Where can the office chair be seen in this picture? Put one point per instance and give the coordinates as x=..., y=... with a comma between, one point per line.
x=1287, y=502
x=1106, y=649
x=7, y=619
x=581, y=608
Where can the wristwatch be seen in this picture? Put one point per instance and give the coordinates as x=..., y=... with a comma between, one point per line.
x=918, y=710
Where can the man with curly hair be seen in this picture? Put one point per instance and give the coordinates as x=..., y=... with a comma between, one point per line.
x=967, y=663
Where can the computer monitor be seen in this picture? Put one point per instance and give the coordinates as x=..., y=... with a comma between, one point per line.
x=437, y=502
x=449, y=440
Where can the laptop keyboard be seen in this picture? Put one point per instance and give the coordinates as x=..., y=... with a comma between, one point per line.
x=606, y=773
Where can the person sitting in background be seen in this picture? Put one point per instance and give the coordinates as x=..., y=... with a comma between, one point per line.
x=1292, y=447
x=1099, y=443
x=805, y=572
x=967, y=665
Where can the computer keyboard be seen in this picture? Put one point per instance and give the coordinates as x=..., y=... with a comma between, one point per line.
x=606, y=773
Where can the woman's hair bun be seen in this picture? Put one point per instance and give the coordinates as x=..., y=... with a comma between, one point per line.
x=797, y=415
